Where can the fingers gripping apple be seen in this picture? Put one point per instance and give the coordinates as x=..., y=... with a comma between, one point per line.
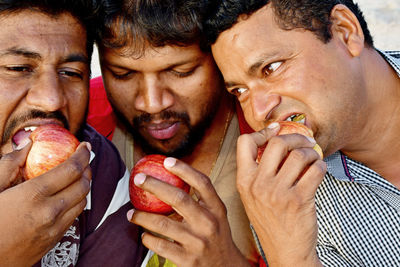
x=290, y=127
x=153, y=165
x=51, y=145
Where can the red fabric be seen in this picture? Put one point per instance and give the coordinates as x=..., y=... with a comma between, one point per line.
x=243, y=126
x=261, y=262
x=100, y=114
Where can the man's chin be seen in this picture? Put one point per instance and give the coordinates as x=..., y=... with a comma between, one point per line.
x=180, y=150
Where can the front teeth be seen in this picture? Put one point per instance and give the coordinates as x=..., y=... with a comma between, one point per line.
x=30, y=128
x=299, y=118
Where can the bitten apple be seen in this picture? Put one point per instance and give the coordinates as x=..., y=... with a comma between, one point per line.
x=153, y=165
x=51, y=145
x=290, y=127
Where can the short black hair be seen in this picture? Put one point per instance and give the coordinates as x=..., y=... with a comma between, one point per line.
x=311, y=15
x=85, y=11
x=134, y=24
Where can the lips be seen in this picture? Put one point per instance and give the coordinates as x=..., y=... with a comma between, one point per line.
x=25, y=131
x=164, y=130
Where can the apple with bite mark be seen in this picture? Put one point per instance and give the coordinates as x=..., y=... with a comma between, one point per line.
x=290, y=127
x=51, y=145
x=153, y=165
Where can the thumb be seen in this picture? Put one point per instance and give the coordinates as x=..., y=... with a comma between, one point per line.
x=12, y=163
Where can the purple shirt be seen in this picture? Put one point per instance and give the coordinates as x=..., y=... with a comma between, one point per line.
x=101, y=235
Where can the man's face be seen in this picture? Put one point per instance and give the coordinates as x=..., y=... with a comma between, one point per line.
x=44, y=74
x=277, y=74
x=168, y=95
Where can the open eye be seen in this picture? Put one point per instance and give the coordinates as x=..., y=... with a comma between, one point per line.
x=270, y=68
x=238, y=91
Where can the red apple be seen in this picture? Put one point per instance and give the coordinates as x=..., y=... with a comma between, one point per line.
x=153, y=165
x=291, y=127
x=51, y=145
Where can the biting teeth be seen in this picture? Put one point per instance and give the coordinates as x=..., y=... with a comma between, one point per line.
x=30, y=128
x=299, y=118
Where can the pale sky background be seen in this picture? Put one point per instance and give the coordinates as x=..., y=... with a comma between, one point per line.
x=382, y=16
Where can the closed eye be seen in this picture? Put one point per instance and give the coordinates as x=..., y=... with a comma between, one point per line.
x=71, y=74
x=18, y=68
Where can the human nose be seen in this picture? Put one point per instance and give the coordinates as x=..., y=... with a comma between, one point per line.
x=263, y=103
x=154, y=96
x=46, y=92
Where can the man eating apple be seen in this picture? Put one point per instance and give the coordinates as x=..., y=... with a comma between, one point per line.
x=168, y=94
x=73, y=214
x=284, y=59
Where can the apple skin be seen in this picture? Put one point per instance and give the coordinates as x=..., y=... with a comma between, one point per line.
x=290, y=127
x=153, y=165
x=51, y=145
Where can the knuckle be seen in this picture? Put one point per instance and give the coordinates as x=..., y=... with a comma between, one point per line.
x=277, y=141
x=319, y=168
x=200, y=245
x=299, y=154
x=39, y=191
x=49, y=216
x=211, y=227
x=163, y=224
x=180, y=198
x=75, y=167
x=243, y=139
x=204, y=183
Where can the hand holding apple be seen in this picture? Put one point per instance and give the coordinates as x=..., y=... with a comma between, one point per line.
x=291, y=127
x=153, y=165
x=52, y=145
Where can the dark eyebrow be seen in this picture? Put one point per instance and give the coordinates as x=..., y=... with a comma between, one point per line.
x=260, y=61
x=230, y=84
x=79, y=57
x=254, y=67
x=14, y=51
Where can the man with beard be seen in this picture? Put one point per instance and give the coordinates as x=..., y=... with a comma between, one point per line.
x=316, y=59
x=168, y=96
x=45, y=51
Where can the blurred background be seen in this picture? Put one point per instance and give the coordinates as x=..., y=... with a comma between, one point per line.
x=382, y=16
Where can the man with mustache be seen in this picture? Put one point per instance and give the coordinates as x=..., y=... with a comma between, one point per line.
x=316, y=59
x=51, y=220
x=168, y=95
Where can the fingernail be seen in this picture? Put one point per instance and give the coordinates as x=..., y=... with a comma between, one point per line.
x=312, y=140
x=273, y=125
x=169, y=162
x=23, y=144
x=89, y=146
x=129, y=214
x=139, y=178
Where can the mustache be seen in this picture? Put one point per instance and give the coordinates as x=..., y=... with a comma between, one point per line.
x=32, y=114
x=164, y=115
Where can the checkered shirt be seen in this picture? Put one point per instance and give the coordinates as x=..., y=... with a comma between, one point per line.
x=358, y=211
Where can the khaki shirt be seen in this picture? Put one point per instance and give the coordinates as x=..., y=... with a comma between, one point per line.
x=223, y=177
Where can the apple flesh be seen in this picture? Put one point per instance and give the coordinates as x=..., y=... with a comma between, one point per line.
x=51, y=145
x=290, y=127
x=153, y=165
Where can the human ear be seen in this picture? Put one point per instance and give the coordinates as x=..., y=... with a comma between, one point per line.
x=347, y=28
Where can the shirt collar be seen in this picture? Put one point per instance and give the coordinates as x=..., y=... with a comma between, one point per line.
x=337, y=164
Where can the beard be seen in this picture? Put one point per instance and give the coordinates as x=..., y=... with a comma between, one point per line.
x=193, y=134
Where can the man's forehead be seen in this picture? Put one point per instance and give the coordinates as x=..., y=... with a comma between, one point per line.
x=30, y=34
